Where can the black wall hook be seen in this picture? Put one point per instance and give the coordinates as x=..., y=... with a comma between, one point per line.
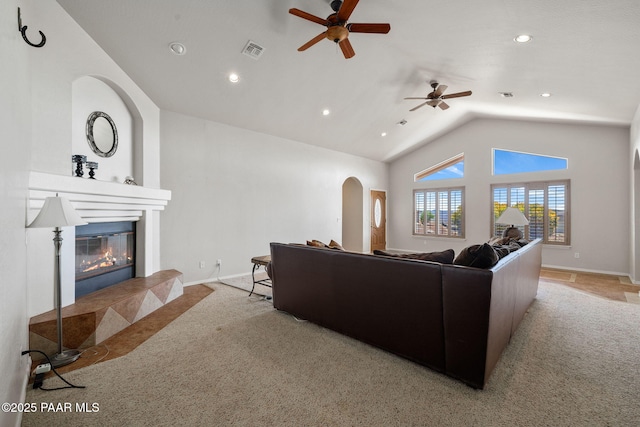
x=23, y=31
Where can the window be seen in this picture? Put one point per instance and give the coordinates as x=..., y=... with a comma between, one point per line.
x=506, y=162
x=439, y=212
x=545, y=204
x=450, y=168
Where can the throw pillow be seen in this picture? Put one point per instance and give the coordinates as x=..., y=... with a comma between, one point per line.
x=479, y=256
x=316, y=243
x=335, y=245
x=443, y=257
x=501, y=251
x=499, y=241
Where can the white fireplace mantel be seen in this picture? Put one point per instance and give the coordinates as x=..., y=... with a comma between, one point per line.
x=96, y=201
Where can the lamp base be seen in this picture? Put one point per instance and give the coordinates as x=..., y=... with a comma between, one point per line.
x=64, y=358
x=512, y=233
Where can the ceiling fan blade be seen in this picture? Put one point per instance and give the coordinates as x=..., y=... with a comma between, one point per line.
x=309, y=17
x=439, y=91
x=457, y=95
x=347, y=49
x=443, y=105
x=416, y=97
x=313, y=41
x=346, y=9
x=369, y=28
x=421, y=105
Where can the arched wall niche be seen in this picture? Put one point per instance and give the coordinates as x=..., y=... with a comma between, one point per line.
x=96, y=93
x=352, y=214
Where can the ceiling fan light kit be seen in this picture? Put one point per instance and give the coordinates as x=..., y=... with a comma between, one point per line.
x=338, y=29
x=436, y=97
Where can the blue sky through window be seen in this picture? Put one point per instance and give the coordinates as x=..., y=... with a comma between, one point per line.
x=507, y=162
x=453, y=171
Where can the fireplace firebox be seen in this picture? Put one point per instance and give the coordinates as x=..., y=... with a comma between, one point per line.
x=105, y=255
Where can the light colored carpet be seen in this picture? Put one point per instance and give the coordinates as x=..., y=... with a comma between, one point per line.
x=246, y=282
x=234, y=360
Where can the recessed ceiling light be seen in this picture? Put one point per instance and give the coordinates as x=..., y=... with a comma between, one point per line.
x=523, y=38
x=506, y=94
x=383, y=134
x=234, y=78
x=326, y=112
x=545, y=95
x=177, y=48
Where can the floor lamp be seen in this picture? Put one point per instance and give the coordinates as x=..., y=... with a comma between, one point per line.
x=57, y=212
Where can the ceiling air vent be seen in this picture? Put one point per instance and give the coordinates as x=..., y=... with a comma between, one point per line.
x=253, y=50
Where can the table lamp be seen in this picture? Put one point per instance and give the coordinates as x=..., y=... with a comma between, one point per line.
x=512, y=217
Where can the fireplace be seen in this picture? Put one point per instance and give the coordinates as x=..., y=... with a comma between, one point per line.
x=105, y=255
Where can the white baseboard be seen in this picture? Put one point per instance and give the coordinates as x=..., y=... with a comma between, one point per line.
x=214, y=279
x=26, y=372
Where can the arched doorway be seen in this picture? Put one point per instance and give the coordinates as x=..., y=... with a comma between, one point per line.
x=352, y=215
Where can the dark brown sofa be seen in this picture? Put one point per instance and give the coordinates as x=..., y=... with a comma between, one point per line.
x=456, y=320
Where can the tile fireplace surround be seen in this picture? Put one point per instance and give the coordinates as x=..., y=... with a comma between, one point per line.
x=101, y=201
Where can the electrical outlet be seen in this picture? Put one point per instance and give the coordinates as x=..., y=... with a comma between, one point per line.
x=577, y=255
x=201, y=264
x=218, y=262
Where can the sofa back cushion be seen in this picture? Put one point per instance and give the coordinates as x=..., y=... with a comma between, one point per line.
x=443, y=257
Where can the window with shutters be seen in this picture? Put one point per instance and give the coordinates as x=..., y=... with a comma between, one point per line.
x=545, y=204
x=439, y=212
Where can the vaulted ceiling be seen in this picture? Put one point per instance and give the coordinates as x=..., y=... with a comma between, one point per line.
x=585, y=53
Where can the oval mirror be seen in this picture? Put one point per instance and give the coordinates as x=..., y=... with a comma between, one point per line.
x=102, y=134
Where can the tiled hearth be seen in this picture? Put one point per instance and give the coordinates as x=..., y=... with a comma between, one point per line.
x=97, y=316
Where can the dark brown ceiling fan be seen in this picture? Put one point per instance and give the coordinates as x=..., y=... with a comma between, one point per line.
x=436, y=97
x=337, y=27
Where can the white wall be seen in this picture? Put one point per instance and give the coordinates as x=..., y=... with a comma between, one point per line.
x=15, y=131
x=634, y=197
x=88, y=95
x=234, y=191
x=63, y=76
x=599, y=171
x=69, y=56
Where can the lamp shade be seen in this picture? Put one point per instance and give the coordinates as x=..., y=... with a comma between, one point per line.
x=57, y=212
x=512, y=216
